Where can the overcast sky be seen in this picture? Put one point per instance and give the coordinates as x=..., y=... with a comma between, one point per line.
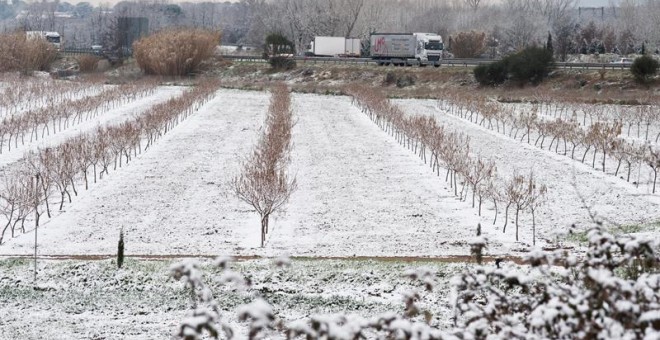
x=583, y=3
x=597, y=3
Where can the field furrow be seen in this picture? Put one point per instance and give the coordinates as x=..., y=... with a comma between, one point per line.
x=171, y=199
x=360, y=193
x=569, y=182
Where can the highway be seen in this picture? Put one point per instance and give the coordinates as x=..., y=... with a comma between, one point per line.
x=454, y=62
x=445, y=62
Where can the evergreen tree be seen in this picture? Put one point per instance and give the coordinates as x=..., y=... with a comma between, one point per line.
x=548, y=45
x=120, y=249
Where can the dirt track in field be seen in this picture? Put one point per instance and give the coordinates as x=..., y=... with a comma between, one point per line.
x=165, y=257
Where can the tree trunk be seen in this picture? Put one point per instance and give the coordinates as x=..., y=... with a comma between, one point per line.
x=86, y=182
x=495, y=202
x=585, y=154
x=517, y=211
x=616, y=173
x=480, y=205
x=593, y=161
x=43, y=186
x=62, y=201
x=264, y=228
x=506, y=217
x=7, y=225
x=533, y=228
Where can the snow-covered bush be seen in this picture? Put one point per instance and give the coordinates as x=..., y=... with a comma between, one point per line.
x=610, y=292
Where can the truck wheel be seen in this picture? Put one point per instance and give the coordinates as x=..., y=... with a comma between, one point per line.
x=437, y=65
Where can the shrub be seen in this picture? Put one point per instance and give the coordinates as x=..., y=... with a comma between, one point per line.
x=175, y=52
x=390, y=78
x=18, y=53
x=643, y=68
x=87, y=63
x=491, y=74
x=469, y=44
x=405, y=81
x=277, y=44
x=401, y=80
x=278, y=50
x=282, y=63
x=529, y=65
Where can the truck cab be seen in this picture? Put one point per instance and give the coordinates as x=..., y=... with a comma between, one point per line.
x=429, y=49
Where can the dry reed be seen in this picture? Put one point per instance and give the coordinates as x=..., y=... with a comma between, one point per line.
x=175, y=52
x=18, y=53
x=87, y=63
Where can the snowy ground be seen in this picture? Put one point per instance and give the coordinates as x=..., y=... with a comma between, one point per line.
x=359, y=192
x=569, y=182
x=95, y=300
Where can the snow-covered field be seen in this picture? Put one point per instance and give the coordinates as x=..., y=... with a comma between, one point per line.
x=95, y=300
x=571, y=184
x=359, y=192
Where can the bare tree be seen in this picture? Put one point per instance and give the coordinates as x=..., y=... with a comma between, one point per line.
x=9, y=201
x=473, y=4
x=264, y=182
x=535, y=198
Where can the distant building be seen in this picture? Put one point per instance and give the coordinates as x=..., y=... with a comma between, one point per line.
x=131, y=29
x=586, y=14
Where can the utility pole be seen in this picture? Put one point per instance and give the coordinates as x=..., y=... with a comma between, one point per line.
x=36, y=222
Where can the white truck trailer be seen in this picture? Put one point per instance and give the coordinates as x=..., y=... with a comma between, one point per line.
x=335, y=47
x=51, y=37
x=403, y=49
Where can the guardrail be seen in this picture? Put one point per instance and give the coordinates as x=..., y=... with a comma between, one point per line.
x=454, y=62
x=77, y=51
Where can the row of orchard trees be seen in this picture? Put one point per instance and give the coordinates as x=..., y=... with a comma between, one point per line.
x=643, y=117
x=451, y=150
x=600, y=137
x=40, y=120
x=26, y=93
x=264, y=181
x=29, y=188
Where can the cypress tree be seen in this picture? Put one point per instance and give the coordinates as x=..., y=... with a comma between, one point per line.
x=120, y=249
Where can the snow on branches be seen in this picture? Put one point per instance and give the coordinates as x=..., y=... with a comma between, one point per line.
x=612, y=291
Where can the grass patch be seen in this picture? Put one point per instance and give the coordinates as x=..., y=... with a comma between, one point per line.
x=581, y=236
x=11, y=262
